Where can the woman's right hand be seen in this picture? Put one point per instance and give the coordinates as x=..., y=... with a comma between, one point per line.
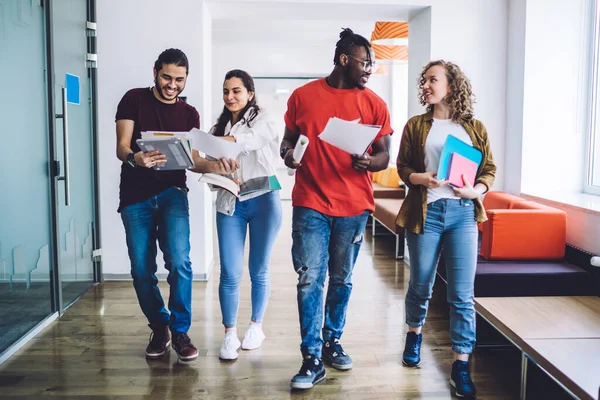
x=426, y=179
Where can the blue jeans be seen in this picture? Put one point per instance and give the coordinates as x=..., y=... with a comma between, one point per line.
x=324, y=243
x=263, y=215
x=450, y=224
x=164, y=217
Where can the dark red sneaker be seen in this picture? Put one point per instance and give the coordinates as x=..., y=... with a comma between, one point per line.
x=160, y=340
x=184, y=348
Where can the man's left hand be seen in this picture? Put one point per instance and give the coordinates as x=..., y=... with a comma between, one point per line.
x=467, y=191
x=361, y=162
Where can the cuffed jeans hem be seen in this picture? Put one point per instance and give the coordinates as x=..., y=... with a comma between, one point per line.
x=458, y=349
x=315, y=351
x=328, y=335
x=415, y=324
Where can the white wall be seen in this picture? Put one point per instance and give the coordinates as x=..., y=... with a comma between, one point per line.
x=419, y=54
x=131, y=35
x=398, y=104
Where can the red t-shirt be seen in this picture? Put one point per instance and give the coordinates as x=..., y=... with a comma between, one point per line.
x=326, y=182
x=150, y=114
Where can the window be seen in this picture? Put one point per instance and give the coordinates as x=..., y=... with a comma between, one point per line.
x=592, y=184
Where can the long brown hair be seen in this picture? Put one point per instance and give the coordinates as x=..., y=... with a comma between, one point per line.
x=460, y=97
x=225, y=117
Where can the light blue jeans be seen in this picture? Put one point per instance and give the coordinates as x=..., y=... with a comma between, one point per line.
x=263, y=215
x=450, y=225
x=164, y=217
x=323, y=243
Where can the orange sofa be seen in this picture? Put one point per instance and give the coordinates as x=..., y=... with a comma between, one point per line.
x=518, y=229
x=523, y=252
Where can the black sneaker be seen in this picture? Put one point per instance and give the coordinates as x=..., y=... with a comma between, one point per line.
x=160, y=340
x=460, y=379
x=334, y=354
x=412, y=349
x=311, y=373
x=183, y=346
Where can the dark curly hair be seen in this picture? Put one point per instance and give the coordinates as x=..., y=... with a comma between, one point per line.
x=460, y=97
x=348, y=41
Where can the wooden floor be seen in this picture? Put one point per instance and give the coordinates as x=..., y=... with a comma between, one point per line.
x=96, y=350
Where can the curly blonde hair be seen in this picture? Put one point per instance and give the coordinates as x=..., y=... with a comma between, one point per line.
x=460, y=97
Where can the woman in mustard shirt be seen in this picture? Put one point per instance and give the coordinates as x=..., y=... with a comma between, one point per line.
x=437, y=216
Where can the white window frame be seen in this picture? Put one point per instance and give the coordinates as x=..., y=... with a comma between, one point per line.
x=594, y=113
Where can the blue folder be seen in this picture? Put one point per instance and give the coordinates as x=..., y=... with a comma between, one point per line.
x=455, y=145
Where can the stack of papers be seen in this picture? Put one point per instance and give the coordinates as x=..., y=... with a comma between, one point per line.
x=174, y=145
x=177, y=146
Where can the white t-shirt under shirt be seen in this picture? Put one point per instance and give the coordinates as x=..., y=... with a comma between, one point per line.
x=440, y=129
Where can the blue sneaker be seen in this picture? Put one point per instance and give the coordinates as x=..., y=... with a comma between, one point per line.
x=334, y=354
x=311, y=373
x=412, y=350
x=460, y=379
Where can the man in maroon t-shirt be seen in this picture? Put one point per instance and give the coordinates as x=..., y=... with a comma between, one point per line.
x=154, y=204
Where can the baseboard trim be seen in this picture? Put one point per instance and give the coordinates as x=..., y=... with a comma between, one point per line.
x=27, y=337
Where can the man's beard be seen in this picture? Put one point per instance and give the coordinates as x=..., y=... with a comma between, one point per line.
x=353, y=83
x=159, y=90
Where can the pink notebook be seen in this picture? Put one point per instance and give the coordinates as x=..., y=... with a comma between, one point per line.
x=460, y=166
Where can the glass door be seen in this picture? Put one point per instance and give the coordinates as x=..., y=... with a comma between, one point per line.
x=25, y=191
x=74, y=148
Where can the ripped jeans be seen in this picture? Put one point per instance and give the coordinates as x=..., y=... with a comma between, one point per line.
x=324, y=243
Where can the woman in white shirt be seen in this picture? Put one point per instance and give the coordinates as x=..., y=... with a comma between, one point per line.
x=243, y=121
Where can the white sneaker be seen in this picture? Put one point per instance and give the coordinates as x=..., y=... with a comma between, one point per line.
x=253, y=338
x=230, y=345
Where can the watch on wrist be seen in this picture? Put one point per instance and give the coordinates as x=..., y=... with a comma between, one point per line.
x=283, y=152
x=131, y=160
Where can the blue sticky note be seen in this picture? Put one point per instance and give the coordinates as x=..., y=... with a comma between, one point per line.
x=72, y=84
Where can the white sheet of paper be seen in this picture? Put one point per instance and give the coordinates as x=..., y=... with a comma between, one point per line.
x=214, y=146
x=349, y=136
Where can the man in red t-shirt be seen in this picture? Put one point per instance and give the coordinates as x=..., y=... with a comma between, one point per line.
x=154, y=204
x=332, y=199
